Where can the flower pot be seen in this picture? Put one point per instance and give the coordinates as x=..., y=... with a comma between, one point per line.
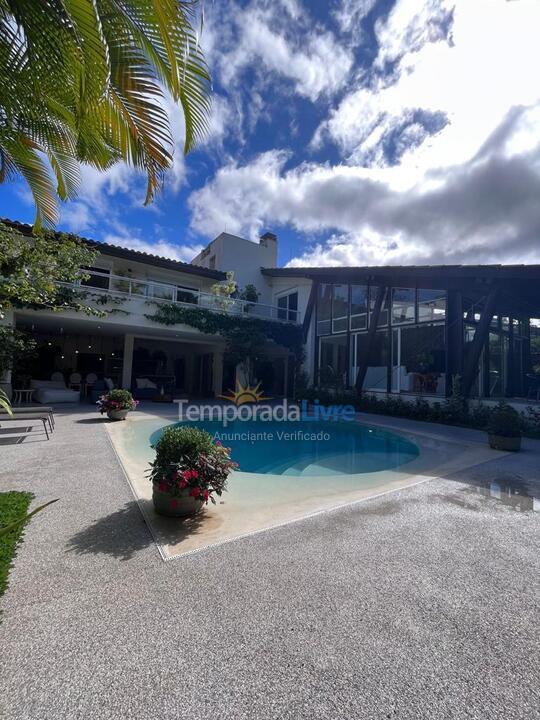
x=499, y=442
x=182, y=505
x=117, y=414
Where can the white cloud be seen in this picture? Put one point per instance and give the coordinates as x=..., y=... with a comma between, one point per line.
x=184, y=253
x=262, y=36
x=483, y=210
x=467, y=193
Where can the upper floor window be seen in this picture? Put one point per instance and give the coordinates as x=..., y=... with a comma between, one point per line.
x=383, y=315
x=403, y=306
x=324, y=309
x=212, y=262
x=431, y=305
x=340, y=308
x=359, y=307
x=288, y=307
x=99, y=278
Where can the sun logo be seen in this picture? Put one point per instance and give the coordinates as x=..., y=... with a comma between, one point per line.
x=245, y=394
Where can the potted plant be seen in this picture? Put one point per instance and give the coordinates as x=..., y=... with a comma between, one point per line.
x=504, y=428
x=117, y=404
x=188, y=470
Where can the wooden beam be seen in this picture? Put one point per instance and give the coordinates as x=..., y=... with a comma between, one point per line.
x=373, y=322
x=481, y=333
x=309, y=310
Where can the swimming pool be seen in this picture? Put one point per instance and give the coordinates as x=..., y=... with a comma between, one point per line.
x=288, y=471
x=308, y=448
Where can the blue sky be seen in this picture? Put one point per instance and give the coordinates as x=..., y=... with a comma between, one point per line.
x=360, y=131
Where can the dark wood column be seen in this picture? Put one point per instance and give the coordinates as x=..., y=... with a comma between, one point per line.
x=454, y=337
x=373, y=322
x=470, y=366
x=509, y=390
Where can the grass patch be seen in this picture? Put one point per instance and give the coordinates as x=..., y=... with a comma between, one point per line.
x=13, y=505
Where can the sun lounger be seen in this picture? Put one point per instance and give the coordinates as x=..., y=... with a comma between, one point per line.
x=27, y=418
x=22, y=412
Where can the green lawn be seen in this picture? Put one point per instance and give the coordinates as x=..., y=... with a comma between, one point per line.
x=13, y=505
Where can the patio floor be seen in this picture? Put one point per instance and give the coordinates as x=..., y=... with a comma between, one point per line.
x=418, y=604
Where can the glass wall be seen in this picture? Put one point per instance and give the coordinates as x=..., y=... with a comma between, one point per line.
x=419, y=359
x=403, y=306
x=324, y=309
x=376, y=378
x=409, y=345
x=333, y=361
x=359, y=307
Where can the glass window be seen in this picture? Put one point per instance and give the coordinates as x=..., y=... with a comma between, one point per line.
x=359, y=307
x=99, y=278
x=403, y=306
x=187, y=294
x=333, y=361
x=288, y=306
x=377, y=371
x=324, y=309
x=419, y=359
x=383, y=316
x=340, y=306
x=431, y=305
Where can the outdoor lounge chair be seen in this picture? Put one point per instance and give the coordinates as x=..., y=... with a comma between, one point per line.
x=26, y=418
x=41, y=410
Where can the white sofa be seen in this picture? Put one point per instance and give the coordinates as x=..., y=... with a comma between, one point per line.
x=53, y=391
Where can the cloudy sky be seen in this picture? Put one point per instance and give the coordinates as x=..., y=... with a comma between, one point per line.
x=360, y=131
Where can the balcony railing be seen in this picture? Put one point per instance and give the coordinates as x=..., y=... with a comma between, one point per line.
x=133, y=288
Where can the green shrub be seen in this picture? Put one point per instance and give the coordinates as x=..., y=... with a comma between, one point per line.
x=116, y=400
x=188, y=461
x=504, y=421
x=177, y=443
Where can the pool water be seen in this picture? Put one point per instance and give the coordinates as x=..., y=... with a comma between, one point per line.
x=307, y=449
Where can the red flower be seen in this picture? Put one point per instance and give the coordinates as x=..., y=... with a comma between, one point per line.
x=206, y=495
x=194, y=474
x=182, y=484
x=187, y=474
x=194, y=492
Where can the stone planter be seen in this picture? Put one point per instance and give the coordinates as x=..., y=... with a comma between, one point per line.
x=185, y=504
x=117, y=414
x=499, y=442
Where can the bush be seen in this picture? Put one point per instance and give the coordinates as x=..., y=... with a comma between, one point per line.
x=116, y=400
x=504, y=421
x=188, y=461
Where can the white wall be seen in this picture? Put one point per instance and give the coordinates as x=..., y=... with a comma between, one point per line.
x=244, y=258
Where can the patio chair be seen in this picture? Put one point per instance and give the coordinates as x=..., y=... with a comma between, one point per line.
x=75, y=380
x=89, y=381
x=45, y=410
x=57, y=377
x=26, y=418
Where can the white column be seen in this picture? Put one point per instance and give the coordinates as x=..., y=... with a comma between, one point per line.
x=128, y=361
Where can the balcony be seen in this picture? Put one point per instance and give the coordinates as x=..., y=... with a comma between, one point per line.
x=128, y=288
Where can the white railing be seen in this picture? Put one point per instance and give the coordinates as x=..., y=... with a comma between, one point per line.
x=133, y=288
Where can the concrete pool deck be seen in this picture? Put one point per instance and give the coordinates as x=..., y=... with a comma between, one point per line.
x=419, y=605
x=256, y=502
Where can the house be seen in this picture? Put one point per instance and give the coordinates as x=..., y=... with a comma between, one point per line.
x=404, y=330
x=129, y=348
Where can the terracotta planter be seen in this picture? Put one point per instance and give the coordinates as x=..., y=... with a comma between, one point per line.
x=499, y=442
x=184, y=507
x=117, y=414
